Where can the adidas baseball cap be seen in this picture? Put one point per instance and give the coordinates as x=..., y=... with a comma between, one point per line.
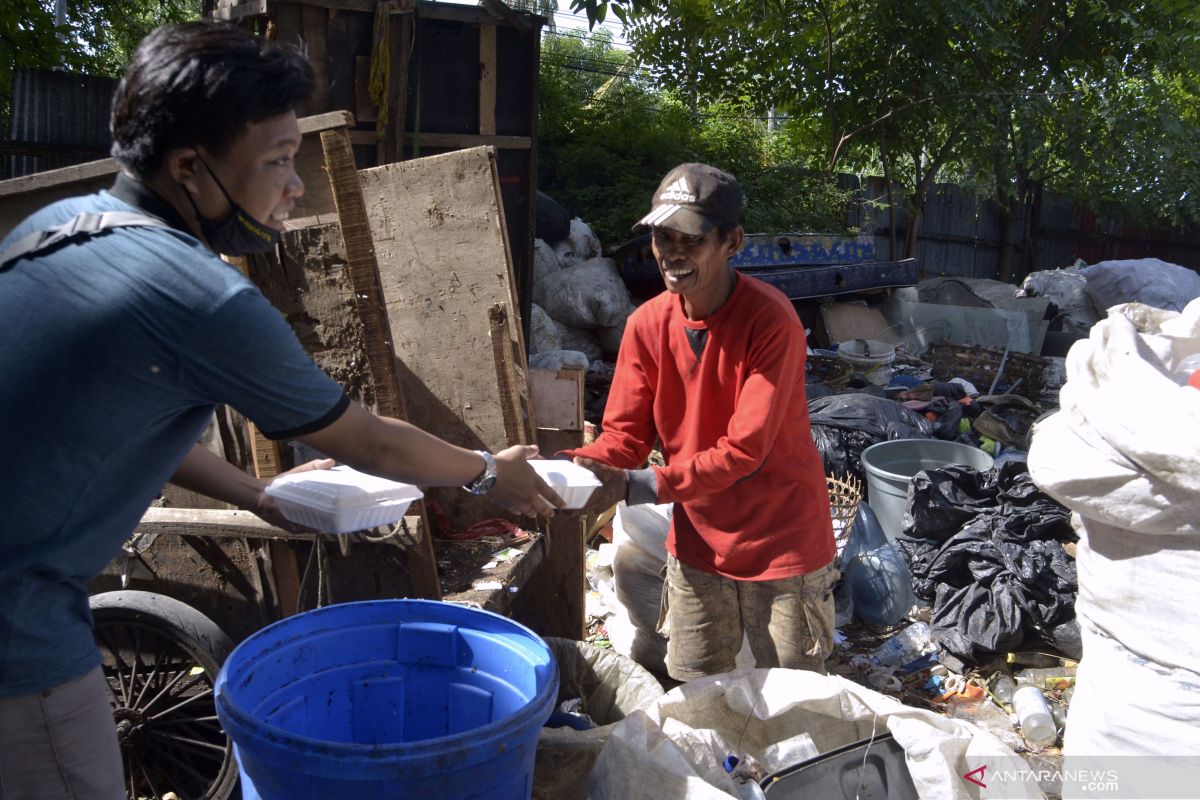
x=693, y=199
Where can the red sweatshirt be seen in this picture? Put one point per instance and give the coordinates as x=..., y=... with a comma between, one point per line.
x=726, y=397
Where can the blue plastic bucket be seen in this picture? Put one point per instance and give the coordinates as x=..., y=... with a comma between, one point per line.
x=388, y=699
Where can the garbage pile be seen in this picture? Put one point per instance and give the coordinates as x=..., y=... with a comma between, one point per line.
x=580, y=303
x=962, y=600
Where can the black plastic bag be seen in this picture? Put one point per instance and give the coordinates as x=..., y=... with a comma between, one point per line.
x=991, y=560
x=843, y=425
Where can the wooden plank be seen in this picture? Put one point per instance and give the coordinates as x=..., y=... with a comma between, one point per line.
x=363, y=270
x=557, y=398
x=314, y=23
x=487, y=80
x=451, y=141
x=511, y=377
x=493, y=589
x=402, y=28
x=443, y=260
x=309, y=283
x=365, y=278
x=213, y=523
x=552, y=601
x=463, y=140
x=364, y=108
x=269, y=455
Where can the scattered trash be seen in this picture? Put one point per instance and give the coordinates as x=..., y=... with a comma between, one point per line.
x=907, y=647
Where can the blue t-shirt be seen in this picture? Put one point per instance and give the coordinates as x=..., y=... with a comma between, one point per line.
x=116, y=348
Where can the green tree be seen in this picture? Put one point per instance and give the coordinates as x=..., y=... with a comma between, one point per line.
x=1095, y=98
x=97, y=37
x=606, y=137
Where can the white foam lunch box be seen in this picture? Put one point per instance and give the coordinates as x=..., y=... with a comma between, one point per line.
x=341, y=500
x=573, y=483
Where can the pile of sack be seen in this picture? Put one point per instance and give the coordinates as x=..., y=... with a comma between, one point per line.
x=580, y=303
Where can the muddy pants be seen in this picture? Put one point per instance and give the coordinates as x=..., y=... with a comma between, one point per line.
x=788, y=622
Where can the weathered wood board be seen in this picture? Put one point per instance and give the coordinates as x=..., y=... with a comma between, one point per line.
x=444, y=262
x=557, y=397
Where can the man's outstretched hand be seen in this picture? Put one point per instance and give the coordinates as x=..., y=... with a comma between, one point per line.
x=614, y=485
x=518, y=488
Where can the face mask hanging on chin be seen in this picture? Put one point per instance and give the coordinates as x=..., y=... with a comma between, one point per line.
x=238, y=234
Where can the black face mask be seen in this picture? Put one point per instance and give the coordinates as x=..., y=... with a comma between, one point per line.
x=239, y=234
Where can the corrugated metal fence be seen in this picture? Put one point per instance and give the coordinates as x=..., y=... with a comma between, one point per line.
x=58, y=119
x=962, y=235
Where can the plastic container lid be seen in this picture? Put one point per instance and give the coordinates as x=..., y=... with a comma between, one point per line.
x=573, y=483
x=341, y=500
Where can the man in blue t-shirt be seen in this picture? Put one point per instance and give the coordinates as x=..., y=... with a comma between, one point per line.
x=119, y=344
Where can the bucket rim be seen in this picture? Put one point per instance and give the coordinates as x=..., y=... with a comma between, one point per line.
x=899, y=476
x=289, y=744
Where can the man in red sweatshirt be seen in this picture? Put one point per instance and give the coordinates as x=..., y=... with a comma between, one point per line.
x=714, y=369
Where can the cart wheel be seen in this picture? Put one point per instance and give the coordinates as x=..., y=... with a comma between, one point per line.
x=161, y=658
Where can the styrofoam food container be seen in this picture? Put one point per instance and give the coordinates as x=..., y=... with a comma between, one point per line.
x=341, y=500
x=573, y=483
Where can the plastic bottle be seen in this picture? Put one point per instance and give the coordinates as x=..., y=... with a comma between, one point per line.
x=1186, y=374
x=1003, y=687
x=1037, y=721
x=1060, y=716
x=905, y=647
x=1031, y=659
x=746, y=773
x=1047, y=677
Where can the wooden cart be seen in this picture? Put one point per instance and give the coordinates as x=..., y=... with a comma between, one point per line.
x=194, y=581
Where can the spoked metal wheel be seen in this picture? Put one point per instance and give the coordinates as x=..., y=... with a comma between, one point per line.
x=161, y=659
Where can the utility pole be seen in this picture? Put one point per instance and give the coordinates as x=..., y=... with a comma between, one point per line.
x=60, y=19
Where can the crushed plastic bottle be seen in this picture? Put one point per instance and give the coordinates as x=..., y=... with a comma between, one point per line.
x=912, y=644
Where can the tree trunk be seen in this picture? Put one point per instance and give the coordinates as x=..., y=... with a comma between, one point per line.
x=915, y=212
x=1010, y=208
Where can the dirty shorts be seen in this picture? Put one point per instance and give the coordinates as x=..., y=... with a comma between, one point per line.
x=788, y=622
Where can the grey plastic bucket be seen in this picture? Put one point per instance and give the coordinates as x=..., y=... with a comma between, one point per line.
x=891, y=465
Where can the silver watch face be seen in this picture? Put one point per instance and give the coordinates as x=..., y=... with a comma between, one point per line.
x=484, y=483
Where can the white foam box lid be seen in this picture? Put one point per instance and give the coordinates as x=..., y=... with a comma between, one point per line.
x=573, y=483
x=341, y=500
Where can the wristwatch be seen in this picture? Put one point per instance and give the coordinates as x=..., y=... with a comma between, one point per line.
x=487, y=479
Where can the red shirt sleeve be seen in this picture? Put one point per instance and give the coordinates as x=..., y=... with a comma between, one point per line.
x=628, y=429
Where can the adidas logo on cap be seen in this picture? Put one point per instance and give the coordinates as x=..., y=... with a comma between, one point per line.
x=679, y=192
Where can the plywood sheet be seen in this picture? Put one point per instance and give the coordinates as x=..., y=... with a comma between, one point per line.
x=444, y=263
x=557, y=396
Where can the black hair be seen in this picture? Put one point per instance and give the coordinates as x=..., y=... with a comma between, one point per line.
x=200, y=84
